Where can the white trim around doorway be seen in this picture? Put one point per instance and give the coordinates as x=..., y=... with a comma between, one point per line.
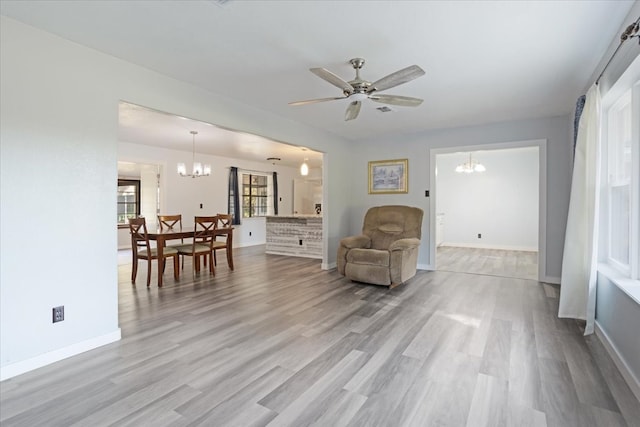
x=542, y=206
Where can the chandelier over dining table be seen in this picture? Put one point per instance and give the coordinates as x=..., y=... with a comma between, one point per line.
x=197, y=170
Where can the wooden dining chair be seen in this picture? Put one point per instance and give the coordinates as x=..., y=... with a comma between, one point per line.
x=141, y=249
x=202, y=245
x=223, y=241
x=172, y=222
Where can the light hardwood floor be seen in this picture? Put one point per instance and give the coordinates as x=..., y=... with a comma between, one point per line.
x=494, y=262
x=280, y=342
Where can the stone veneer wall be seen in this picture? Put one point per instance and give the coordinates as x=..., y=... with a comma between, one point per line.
x=295, y=236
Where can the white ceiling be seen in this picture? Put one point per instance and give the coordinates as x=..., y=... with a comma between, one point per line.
x=141, y=125
x=485, y=61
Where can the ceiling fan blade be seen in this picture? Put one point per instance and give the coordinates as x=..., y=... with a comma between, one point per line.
x=333, y=79
x=352, y=110
x=403, y=101
x=315, y=101
x=394, y=79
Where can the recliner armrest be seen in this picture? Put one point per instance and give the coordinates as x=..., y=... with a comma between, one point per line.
x=404, y=244
x=352, y=242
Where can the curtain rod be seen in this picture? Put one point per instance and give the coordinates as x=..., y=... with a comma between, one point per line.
x=249, y=170
x=630, y=32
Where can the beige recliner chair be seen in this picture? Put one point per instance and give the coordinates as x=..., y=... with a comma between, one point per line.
x=386, y=253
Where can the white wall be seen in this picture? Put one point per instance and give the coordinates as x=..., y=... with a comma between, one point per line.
x=58, y=187
x=306, y=194
x=415, y=147
x=59, y=148
x=181, y=195
x=500, y=204
x=148, y=191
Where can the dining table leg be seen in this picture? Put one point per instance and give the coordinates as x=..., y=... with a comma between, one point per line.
x=230, y=250
x=160, y=252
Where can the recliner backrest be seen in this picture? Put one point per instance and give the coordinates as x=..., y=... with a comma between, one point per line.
x=386, y=224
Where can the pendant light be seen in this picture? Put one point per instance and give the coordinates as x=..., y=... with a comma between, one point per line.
x=304, y=168
x=197, y=170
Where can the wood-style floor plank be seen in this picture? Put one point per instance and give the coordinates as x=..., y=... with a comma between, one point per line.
x=280, y=342
x=493, y=262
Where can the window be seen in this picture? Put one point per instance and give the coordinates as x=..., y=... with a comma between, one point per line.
x=128, y=200
x=619, y=180
x=255, y=195
x=622, y=166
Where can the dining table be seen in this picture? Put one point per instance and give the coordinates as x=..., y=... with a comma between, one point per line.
x=161, y=236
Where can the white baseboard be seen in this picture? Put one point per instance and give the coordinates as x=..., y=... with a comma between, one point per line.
x=427, y=267
x=248, y=244
x=329, y=266
x=489, y=246
x=627, y=374
x=549, y=279
x=45, y=359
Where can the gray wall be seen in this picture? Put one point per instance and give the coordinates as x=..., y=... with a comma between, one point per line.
x=617, y=314
x=556, y=130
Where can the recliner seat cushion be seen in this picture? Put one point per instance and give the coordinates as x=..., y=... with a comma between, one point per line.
x=375, y=274
x=368, y=257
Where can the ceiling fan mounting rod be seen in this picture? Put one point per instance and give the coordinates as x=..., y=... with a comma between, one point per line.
x=357, y=64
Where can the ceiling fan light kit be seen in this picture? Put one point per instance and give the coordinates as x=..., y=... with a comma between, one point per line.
x=358, y=90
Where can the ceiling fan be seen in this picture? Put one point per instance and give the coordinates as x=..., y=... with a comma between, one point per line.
x=358, y=89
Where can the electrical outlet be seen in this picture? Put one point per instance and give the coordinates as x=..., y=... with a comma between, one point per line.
x=249, y=234
x=58, y=314
x=479, y=236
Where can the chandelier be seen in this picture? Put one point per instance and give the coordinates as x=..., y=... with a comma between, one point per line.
x=470, y=166
x=197, y=170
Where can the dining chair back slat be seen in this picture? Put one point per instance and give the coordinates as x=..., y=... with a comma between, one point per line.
x=223, y=221
x=139, y=239
x=203, y=239
x=141, y=249
x=172, y=222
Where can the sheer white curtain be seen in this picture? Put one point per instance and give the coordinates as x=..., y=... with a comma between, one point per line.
x=579, y=262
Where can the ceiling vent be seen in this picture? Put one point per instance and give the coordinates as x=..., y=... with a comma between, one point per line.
x=220, y=2
x=384, y=109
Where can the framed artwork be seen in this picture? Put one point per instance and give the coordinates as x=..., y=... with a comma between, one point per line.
x=388, y=176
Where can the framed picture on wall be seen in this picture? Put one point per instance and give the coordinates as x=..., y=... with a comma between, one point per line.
x=388, y=176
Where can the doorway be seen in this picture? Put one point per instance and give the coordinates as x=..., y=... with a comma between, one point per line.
x=488, y=209
x=148, y=198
